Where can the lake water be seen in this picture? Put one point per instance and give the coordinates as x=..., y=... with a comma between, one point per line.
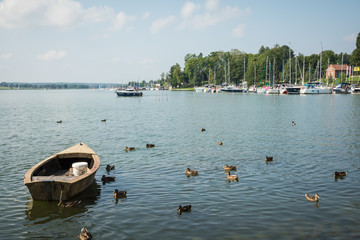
x=267, y=202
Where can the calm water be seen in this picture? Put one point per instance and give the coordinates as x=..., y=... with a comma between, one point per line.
x=268, y=201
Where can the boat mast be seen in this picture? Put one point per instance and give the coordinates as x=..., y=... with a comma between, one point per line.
x=342, y=62
x=255, y=71
x=295, y=71
x=290, y=64
x=320, y=61
x=274, y=70
x=229, y=71
x=244, y=69
x=266, y=70
x=303, y=79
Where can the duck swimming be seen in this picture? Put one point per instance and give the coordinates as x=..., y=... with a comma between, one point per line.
x=268, y=159
x=119, y=194
x=59, y=121
x=312, y=198
x=339, y=174
x=103, y=120
x=191, y=172
x=186, y=208
x=148, y=145
x=69, y=204
x=232, y=177
x=293, y=123
x=220, y=143
x=203, y=130
x=107, y=179
x=129, y=148
x=110, y=167
x=85, y=234
x=229, y=168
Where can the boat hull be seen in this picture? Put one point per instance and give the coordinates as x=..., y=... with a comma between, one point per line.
x=49, y=179
x=129, y=94
x=316, y=91
x=293, y=90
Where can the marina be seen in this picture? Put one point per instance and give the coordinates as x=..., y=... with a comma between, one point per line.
x=252, y=126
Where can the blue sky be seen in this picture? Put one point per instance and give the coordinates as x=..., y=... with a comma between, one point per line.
x=117, y=41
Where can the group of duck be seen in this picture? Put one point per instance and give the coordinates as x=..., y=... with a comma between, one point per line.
x=60, y=121
x=148, y=145
x=105, y=179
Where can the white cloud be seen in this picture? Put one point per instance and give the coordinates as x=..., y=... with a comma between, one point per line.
x=211, y=5
x=350, y=38
x=239, y=31
x=116, y=59
x=146, y=15
x=188, y=9
x=99, y=14
x=50, y=13
x=52, y=55
x=6, y=56
x=158, y=24
x=146, y=61
x=121, y=19
x=209, y=19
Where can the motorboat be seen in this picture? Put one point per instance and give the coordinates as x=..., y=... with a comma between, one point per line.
x=355, y=89
x=315, y=88
x=291, y=89
x=342, y=88
x=129, y=92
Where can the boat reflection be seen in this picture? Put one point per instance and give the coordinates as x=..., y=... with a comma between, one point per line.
x=40, y=212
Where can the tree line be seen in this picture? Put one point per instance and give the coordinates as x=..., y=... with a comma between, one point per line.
x=278, y=63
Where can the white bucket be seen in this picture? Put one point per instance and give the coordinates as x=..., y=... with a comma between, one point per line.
x=79, y=168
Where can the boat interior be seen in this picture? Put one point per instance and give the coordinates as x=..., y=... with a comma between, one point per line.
x=59, y=168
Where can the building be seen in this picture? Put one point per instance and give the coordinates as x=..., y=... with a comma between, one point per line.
x=334, y=70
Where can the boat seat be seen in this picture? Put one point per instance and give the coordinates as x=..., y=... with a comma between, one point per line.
x=52, y=178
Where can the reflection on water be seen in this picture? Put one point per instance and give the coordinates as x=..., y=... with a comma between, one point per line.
x=41, y=212
x=266, y=203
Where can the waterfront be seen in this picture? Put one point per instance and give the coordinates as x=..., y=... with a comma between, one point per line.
x=267, y=202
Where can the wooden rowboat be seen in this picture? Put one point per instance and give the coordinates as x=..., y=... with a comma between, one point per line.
x=55, y=179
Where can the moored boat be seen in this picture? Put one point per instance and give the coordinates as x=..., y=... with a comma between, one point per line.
x=64, y=174
x=129, y=92
x=355, y=89
x=293, y=89
x=342, y=88
x=315, y=88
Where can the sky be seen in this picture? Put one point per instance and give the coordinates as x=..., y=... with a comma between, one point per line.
x=117, y=41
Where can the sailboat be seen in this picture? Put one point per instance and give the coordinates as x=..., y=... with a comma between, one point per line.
x=273, y=89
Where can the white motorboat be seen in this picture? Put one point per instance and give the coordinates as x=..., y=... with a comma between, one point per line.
x=315, y=88
x=199, y=89
x=355, y=89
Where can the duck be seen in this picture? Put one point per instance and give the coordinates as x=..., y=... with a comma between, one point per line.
x=186, y=208
x=119, y=194
x=107, y=179
x=129, y=148
x=220, y=143
x=110, y=167
x=293, y=123
x=232, y=177
x=149, y=145
x=229, y=168
x=69, y=204
x=339, y=174
x=203, y=130
x=312, y=198
x=191, y=172
x=59, y=121
x=103, y=120
x=85, y=234
x=268, y=159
